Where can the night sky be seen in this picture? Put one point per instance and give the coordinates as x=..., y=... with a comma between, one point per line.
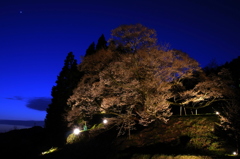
x=36, y=36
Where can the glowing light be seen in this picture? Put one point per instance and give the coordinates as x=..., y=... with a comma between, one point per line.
x=53, y=149
x=105, y=121
x=234, y=153
x=217, y=113
x=76, y=131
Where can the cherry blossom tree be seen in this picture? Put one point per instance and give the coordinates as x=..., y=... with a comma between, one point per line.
x=200, y=90
x=133, y=86
x=134, y=37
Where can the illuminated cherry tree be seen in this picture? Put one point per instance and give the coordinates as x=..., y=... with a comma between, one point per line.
x=134, y=37
x=133, y=86
x=201, y=90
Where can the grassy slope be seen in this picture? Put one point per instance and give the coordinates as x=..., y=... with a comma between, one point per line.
x=181, y=135
x=191, y=135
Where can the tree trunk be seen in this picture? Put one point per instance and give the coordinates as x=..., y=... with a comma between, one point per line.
x=185, y=111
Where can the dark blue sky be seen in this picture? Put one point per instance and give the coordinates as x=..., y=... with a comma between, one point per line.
x=36, y=36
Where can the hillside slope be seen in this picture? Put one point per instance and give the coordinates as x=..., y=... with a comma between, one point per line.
x=192, y=135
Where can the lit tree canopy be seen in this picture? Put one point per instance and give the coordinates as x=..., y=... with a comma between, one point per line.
x=134, y=37
x=201, y=90
x=134, y=86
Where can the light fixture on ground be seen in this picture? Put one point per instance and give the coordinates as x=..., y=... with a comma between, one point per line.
x=76, y=131
x=105, y=121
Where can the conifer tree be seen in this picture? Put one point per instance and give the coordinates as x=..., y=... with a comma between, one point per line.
x=102, y=43
x=66, y=82
x=90, y=50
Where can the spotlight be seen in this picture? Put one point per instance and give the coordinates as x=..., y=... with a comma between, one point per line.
x=76, y=131
x=105, y=121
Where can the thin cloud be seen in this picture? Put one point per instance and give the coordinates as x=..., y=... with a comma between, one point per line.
x=15, y=98
x=39, y=103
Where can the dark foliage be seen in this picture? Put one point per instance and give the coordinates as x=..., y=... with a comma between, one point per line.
x=212, y=67
x=101, y=44
x=66, y=82
x=234, y=68
x=229, y=108
x=90, y=50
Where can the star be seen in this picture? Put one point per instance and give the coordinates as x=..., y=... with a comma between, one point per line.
x=20, y=12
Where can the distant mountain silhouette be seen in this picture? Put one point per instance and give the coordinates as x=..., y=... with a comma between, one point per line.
x=29, y=123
